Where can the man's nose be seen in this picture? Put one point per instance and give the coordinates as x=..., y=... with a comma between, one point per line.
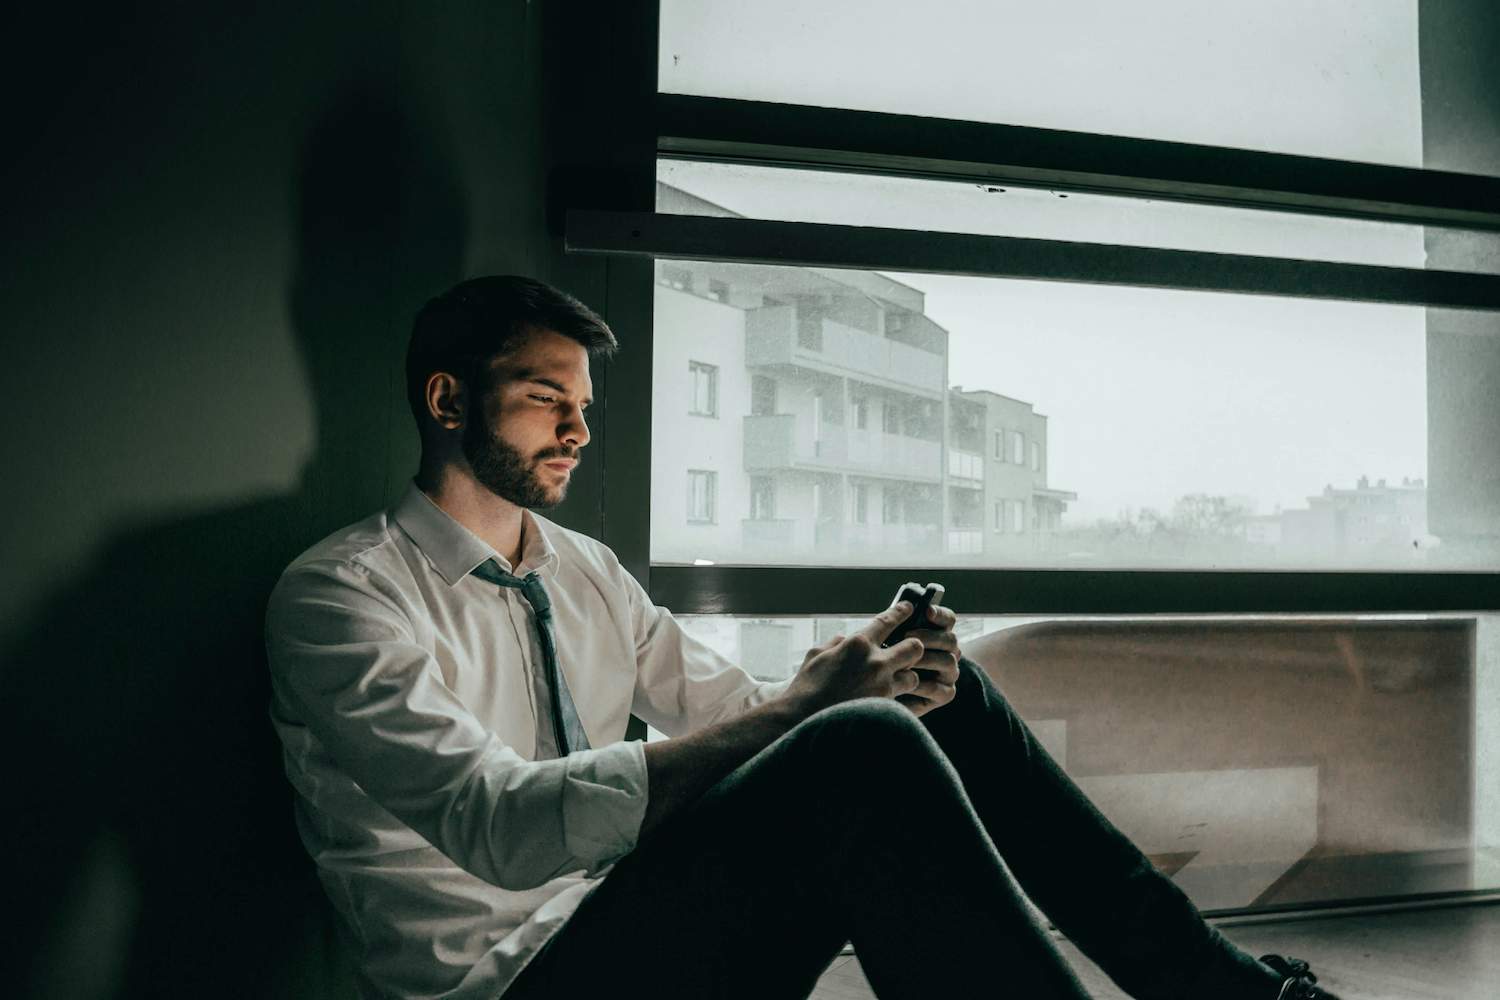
x=574, y=430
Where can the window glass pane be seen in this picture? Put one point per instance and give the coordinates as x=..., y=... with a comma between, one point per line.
x=686, y=187
x=1181, y=429
x=1340, y=78
x=1263, y=762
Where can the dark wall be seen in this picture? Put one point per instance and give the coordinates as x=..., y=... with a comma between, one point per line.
x=218, y=227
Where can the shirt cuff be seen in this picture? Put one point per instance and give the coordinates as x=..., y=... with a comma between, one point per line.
x=604, y=802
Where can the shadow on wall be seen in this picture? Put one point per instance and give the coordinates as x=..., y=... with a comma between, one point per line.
x=157, y=854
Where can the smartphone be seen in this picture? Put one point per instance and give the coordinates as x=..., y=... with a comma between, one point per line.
x=921, y=599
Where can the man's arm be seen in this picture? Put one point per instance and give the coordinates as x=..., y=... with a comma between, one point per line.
x=680, y=770
x=347, y=669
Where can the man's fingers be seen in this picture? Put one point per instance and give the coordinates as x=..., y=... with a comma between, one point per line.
x=940, y=663
x=883, y=624
x=906, y=653
x=941, y=617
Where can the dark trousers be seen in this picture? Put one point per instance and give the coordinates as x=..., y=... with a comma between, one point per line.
x=914, y=839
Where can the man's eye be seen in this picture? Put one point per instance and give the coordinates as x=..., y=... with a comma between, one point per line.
x=544, y=399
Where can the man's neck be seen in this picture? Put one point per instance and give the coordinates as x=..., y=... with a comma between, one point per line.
x=492, y=518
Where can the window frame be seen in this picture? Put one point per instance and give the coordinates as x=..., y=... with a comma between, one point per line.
x=710, y=479
x=612, y=212
x=711, y=376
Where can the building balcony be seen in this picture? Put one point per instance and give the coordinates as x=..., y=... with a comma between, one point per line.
x=772, y=339
x=965, y=541
x=791, y=537
x=965, y=468
x=781, y=441
x=894, y=538
x=774, y=534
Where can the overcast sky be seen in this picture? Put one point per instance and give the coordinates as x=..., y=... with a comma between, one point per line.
x=1151, y=394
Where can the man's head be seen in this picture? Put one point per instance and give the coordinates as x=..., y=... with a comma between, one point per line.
x=497, y=375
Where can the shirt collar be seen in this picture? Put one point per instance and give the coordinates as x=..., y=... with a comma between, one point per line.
x=454, y=550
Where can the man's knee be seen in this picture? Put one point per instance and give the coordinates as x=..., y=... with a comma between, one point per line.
x=870, y=740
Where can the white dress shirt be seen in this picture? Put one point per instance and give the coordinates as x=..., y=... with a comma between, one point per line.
x=405, y=694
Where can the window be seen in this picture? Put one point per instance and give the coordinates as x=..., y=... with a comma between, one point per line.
x=762, y=498
x=861, y=503
x=705, y=389
x=679, y=278
x=890, y=507
x=703, y=486
x=1261, y=322
x=861, y=412
x=718, y=290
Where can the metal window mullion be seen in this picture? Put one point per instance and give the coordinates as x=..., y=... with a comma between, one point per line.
x=771, y=134
x=806, y=244
x=770, y=591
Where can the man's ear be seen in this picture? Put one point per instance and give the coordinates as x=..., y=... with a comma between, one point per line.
x=447, y=400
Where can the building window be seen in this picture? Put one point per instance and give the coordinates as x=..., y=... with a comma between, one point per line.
x=1017, y=516
x=1000, y=446
x=890, y=507
x=762, y=498
x=718, y=290
x=890, y=417
x=679, y=278
x=703, y=488
x=1000, y=515
x=1036, y=456
x=861, y=413
x=1017, y=448
x=861, y=503
x=705, y=389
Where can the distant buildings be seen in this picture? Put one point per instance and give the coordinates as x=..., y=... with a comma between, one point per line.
x=804, y=415
x=1366, y=523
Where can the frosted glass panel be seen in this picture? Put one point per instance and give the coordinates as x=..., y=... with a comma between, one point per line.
x=1338, y=78
x=1263, y=762
x=688, y=187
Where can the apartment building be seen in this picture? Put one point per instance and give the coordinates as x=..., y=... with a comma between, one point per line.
x=804, y=416
x=1371, y=520
x=807, y=417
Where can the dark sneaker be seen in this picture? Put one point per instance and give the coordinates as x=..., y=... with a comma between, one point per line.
x=1297, y=980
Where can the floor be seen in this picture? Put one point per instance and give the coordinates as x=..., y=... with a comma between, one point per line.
x=1451, y=953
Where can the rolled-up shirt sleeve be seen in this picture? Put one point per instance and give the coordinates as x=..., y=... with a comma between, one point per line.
x=346, y=664
x=681, y=683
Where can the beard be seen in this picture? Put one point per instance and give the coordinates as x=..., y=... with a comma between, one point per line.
x=505, y=472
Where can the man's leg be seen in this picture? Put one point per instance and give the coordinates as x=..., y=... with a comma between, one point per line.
x=853, y=826
x=1077, y=867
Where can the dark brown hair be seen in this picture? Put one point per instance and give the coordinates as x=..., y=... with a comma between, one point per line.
x=461, y=330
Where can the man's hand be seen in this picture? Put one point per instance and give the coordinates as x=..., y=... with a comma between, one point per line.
x=938, y=668
x=919, y=671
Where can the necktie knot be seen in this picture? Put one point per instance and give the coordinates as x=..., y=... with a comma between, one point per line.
x=529, y=585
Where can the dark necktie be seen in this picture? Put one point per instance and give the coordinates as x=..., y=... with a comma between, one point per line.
x=565, y=723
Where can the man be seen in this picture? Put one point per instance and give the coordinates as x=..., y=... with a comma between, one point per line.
x=452, y=679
